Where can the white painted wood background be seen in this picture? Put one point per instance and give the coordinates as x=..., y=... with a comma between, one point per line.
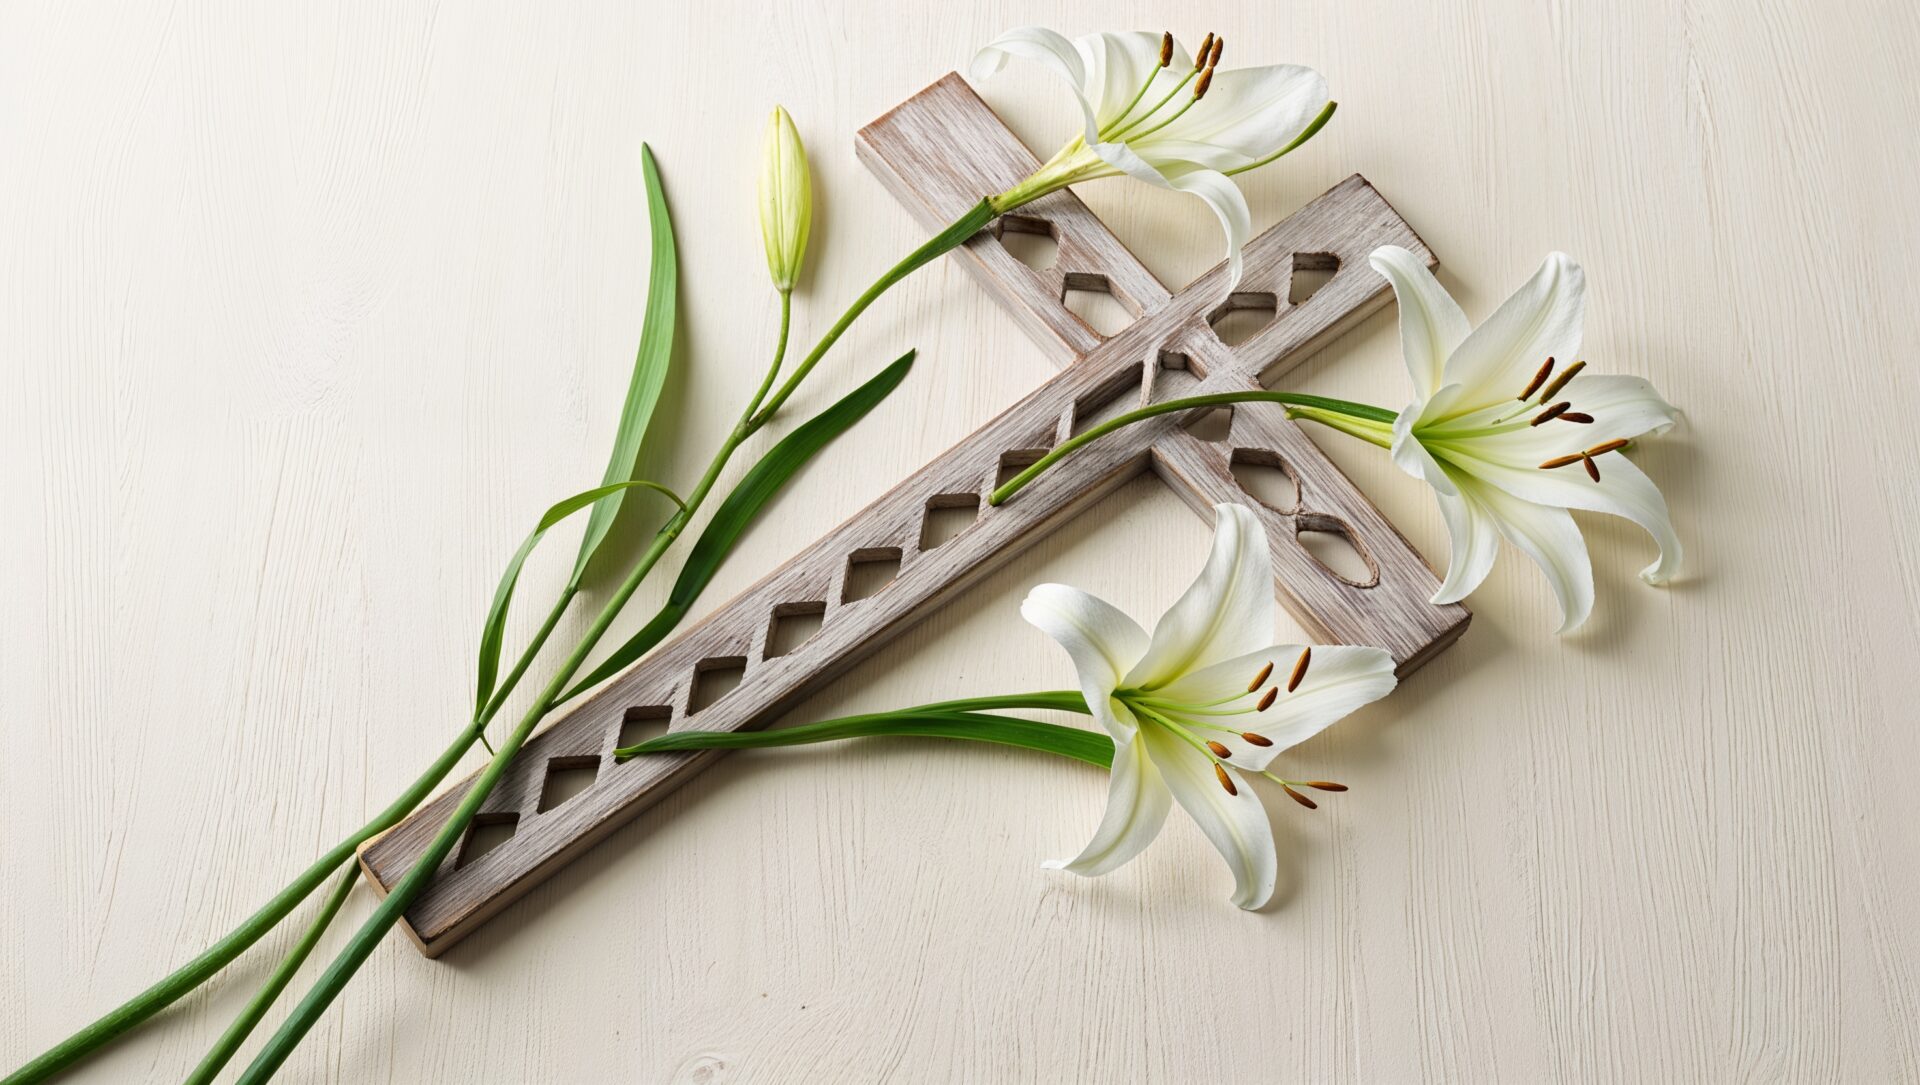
x=308, y=312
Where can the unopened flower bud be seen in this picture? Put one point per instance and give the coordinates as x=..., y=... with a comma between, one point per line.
x=786, y=200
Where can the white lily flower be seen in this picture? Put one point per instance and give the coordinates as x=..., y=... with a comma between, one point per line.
x=1186, y=720
x=1155, y=115
x=1508, y=443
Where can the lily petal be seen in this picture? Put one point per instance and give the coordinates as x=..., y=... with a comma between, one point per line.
x=1227, y=203
x=1542, y=319
x=1473, y=541
x=1432, y=324
x=1048, y=48
x=1339, y=680
x=1550, y=538
x=1102, y=642
x=1236, y=824
x=1229, y=611
x=1137, y=805
x=1248, y=114
x=1623, y=490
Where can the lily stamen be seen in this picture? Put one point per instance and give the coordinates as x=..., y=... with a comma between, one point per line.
x=1166, y=58
x=1299, y=798
x=1563, y=461
x=1206, y=46
x=1539, y=378
x=1220, y=773
x=1300, y=669
x=1576, y=416
x=1266, y=702
x=1256, y=738
x=1219, y=749
x=1561, y=382
x=1326, y=785
x=1213, y=55
x=1593, y=469
x=1261, y=678
x=1551, y=413
x=1605, y=447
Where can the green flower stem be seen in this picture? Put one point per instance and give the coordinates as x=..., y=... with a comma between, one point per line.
x=236, y=1033
x=1366, y=429
x=926, y=721
x=1216, y=399
x=779, y=353
x=520, y=665
x=944, y=242
x=847, y=726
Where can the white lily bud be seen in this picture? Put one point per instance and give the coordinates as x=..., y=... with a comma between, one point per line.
x=786, y=200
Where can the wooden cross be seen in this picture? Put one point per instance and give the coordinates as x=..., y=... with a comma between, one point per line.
x=888, y=567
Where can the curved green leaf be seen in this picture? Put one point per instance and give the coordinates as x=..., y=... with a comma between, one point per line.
x=649, y=362
x=1092, y=747
x=495, y=630
x=730, y=521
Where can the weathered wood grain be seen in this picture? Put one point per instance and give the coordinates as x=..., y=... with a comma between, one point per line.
x=934, y=144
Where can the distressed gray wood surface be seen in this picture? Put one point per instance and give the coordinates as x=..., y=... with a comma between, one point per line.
x=946, y=146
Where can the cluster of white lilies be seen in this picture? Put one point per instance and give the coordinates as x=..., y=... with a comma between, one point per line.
x=1506, y=425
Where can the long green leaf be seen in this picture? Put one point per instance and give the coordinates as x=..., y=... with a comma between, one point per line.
x=494, y=632
x=649, y=363
x=1082, y=745
x=730, y=521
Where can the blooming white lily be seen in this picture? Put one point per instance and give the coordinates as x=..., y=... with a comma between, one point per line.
x=1155, y=115
x=1184, y=717
x=1511, y=431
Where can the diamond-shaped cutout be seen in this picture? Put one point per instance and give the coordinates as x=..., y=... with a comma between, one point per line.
x=1331, y=543
x=1311, y=271
x=487, y=832
x=793, y=625
x=1115, y=395
x=1266, y=478
x=566, y=777
x=1215, y=425
x=947, y=516
x=714, y=678
x=1029, y=240
x=640, y=723
x=1015, y=461
x=869, y=570
x=1090, y=297
x=1243, y=316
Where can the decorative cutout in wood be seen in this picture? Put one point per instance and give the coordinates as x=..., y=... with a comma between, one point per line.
x=932, y=535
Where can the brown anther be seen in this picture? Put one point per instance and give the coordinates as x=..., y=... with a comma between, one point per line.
x=1166, y=48
x=1256, y=738
x=1261, y=678
x=1200, y=88
x=1605, y=447
x=1213, y=57
x=1539, y=378
x=1206, y=46
x=1299, y=798
x=1266, y=702
x=1593, y=469
x=1577, y=416
x=1551, y=413
x=1561, y=381
x=1562, y=461
x=1226, y=781
x=1326, y=785
x=1300, y=669
x=1219, y=749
